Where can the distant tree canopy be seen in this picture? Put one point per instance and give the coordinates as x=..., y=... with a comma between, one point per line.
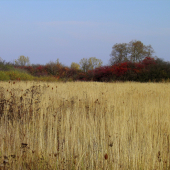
x=75, y=66
x=134, y=51
x=90, y=64
x=22, y=61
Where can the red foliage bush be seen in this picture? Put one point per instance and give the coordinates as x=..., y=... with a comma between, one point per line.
x=101, y=74
x=120, y=69
x=138, y=67
x=148, y=61
x=82, y=76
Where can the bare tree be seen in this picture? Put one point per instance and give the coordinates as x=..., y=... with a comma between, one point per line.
x=1, y=60
x=138, y=51
x=75, y=66
x=22, y=61
x=90, y=64
x=84, y=64
x=134, y=51
x=94, y=63
x=119, y=53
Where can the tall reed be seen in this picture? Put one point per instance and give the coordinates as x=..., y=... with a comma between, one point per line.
x=84, y=125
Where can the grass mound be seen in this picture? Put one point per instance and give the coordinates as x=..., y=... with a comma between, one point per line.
x=17, y=75
x=4, y=76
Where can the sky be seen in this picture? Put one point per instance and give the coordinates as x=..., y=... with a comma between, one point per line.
x=69, y=30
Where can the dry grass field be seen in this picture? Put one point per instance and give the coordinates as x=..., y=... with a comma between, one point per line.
x=84, y=125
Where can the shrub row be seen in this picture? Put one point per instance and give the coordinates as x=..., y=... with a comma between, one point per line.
x=15, y=75
x=147, y=70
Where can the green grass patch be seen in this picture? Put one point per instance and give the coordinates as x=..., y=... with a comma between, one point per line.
x=4, y=76
x=22, y=75
x=17, y=75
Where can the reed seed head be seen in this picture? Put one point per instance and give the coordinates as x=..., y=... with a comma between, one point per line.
x=13, y=156
x=159, y=153
x=55, y=154
x=106, y=156
x=111, y=144
x=24, y=145
x=5, y=157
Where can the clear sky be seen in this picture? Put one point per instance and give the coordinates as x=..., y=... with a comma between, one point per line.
x=45, y=30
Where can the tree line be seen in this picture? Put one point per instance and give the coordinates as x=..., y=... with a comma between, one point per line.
x=134, y=51
x=85, y=64
x=131, y=61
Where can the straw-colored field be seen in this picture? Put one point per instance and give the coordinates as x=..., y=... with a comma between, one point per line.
x=84, y=125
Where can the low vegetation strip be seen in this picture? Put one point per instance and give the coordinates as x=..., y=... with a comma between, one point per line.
x=84, y=125
x=148, y=69
x=23, y=76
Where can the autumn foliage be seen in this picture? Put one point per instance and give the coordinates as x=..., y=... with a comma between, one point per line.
x=148, y=69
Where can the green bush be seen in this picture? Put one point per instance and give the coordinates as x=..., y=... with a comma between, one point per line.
x=6, y=66
x=4, y=76
x=16, y=75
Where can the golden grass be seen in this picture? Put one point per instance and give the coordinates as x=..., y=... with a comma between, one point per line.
x=82, y=125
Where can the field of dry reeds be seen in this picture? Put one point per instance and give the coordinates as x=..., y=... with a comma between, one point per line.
x=84, y=125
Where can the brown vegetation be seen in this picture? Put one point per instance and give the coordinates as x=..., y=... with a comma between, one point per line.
x=84, y=125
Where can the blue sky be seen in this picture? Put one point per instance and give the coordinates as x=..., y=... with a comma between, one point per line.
x=71, y=30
